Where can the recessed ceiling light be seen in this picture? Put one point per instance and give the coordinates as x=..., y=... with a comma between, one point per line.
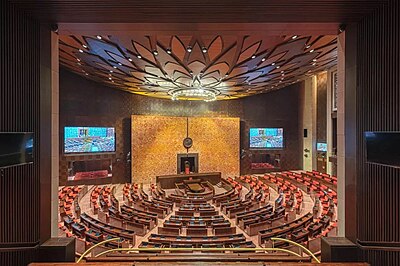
x=189, y=49
x=86, y=74
x=79, y=64
x=282, y=71
x=314, y=60
x=112, y=81
x=283, y=74
x=191, y=72
x=110, y=78
x=78, y=59
x=169, y=51
x=80, y=50
x=155, y=52
x=114, y=66
x=98, y=37
x=273, y=64
x=314, y=64
x=294, y=37
x=254, y=56
x=226, y=75
x=277, y=66
x=263, y=59
x=308, y=46
x=120, y=64
x=204, y=50
x=139, y=56
x=84, y=45
x=312, y=50
x=111, y=71
x=130, y=59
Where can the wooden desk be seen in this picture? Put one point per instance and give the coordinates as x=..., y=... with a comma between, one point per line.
x=168, y=181
x=195, y=187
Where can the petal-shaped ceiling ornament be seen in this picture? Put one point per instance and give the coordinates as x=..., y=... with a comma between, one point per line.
x=233, y=65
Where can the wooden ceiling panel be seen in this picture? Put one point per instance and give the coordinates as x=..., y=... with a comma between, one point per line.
x=152, y=68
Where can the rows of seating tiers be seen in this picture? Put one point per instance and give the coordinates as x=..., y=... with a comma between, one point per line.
x=297, y=230
x=292, y=194
x=327, y=196
x=194, y=215
x=67, y=197
x=101, y=199
x=107, y=230
x=140, y=213
x=252, y=221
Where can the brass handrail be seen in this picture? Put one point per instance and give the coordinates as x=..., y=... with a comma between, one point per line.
x=298, y=245
x=198, y=249
x=96, y=245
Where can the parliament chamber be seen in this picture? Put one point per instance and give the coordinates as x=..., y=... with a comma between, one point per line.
x=199, y=133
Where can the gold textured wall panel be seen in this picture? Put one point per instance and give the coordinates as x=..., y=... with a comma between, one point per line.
x=156, y=141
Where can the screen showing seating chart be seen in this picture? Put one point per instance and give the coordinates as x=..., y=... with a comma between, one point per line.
x=89, y=139
x=322, y=147
x=266, y=138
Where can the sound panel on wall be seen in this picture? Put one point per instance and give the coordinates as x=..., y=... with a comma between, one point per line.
x=19, y=112
x=378, y=109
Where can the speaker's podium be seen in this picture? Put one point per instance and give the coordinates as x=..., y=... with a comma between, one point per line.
x=168, y=181
x=338, y=249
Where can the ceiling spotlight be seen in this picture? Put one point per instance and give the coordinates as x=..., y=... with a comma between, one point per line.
x=314, y=64
x=226, y=75
x=294, y=37
x=80, y=50
x=314, y=60
x=283, y=74
x=79, y=64
x=254, y=56
x=78, y=59
x=282, y=71
x=120, y=64
x=273, y=64
x=155, y=52
x=114, y=66
x=204, y=50
x=169, y=51
x=139, y=56
x=312, y=50
x=277, y=66
x=86, y=74
x=130, y=59
x=191, y=72
x=84, y=45
x=308, y=46
x=98, y=37
x=189, y=49
x=112, y=81
x=110, y=78
x=263, y=59
x=111, y=71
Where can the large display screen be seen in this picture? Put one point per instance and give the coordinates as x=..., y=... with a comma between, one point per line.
x=89, y=139
x=322, y=146
x=383, y=148
x=266, y=138
x=16, y=149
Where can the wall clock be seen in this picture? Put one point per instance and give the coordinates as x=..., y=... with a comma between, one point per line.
x=187, y=143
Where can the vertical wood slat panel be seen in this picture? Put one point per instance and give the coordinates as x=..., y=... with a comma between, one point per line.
x=19, y=112
x=378, y=109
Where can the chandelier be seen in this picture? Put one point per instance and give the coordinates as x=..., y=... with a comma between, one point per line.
x=194, y=93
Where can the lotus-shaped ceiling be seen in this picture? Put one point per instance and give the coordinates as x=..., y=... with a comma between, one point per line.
x=232, y=66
